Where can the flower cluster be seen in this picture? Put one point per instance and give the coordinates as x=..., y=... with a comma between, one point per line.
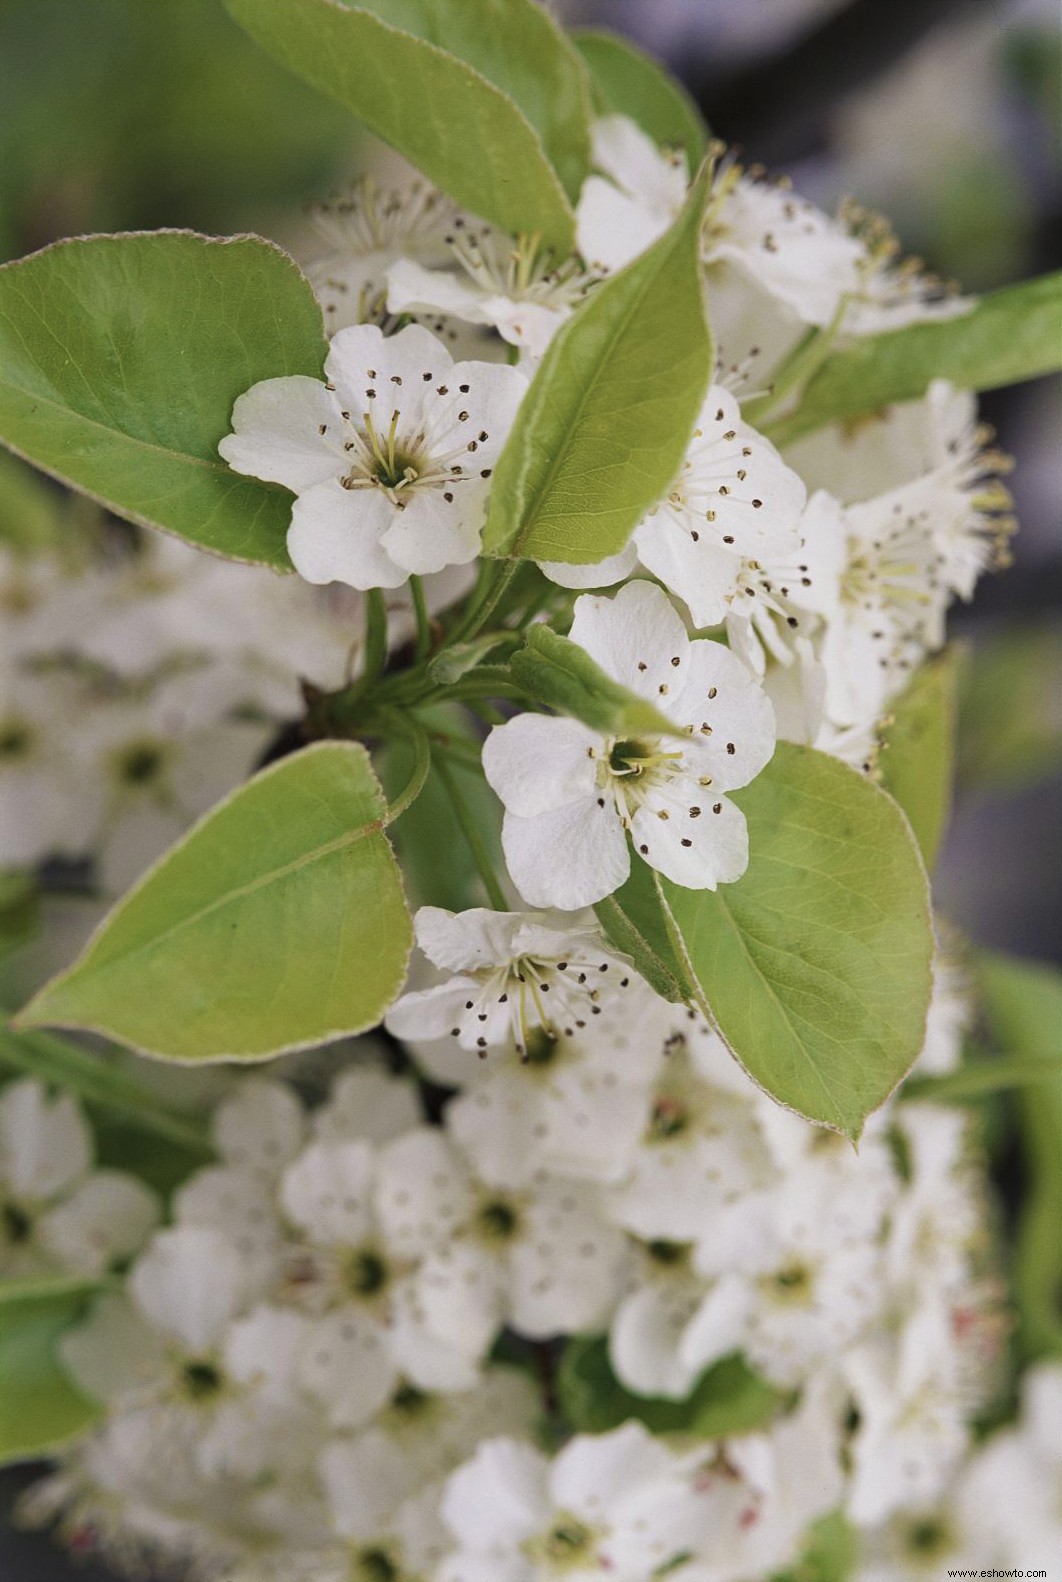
x=300, y=1373
x=143, y=682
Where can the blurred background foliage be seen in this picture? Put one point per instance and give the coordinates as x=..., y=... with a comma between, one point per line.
x=944, y=114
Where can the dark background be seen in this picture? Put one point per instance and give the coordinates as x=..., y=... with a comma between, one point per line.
x=117, y=114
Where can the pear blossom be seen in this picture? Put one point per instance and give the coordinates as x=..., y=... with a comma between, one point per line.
x=616, y=1503
x=571, y=794
x=515, y=974
x=390, y=459
x=541, y=1259
x=634, y=193
x=366, y=231
x=511, y=284
x=57, y=1213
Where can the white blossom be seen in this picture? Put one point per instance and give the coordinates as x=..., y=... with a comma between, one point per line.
x=514, y=974
x=390, y=459
x=571, y=794
x=57, y=1213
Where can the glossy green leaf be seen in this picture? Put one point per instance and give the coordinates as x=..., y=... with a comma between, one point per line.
x=918, y=751
x=557, y=672
x=636, y=920
x=606, y=422
x=816, y=964
x=1022, y=1008
x=39, y=1407
x=728, y=1399
x=1011, y=335
x=276, y=923
x=626, y=81
x=97, y=1081
x=121, y=358
x=480, y=115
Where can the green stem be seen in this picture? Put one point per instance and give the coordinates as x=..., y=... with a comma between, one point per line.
x=482, y=607
x=375, y=636
x=423, y=619
x=414, y=733
x=96, y=1081
x=806, y=358
x=475, y=841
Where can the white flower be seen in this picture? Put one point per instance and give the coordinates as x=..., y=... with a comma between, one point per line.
x=259, y=1127
x=1009, y=1501
x=912, y=1416
x=380, y=1508
x=48, y=807
x=365, y=233
x=734, y=501
x=511, y=284
x=367, y=1103
x=390, y=460
x=637, y=196
x=515, y=974
x=618, y=1504
x=573, y=1107
x=56, y=1212
x=541, y=1259
x=353, y=1271
x=571, y=794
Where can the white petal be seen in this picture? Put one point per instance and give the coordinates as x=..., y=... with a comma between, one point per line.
x=361, y=358
x=498, y=1499
x=566, y=1268
x=277, y=433
x=411, y=288
x=431, y=532
x=431, y=1364
x=45, y=1144
x=495, y=1123
x=114, y=1353
x=535, y=763
x=365, y=1481
x=347, y=1365
x=598, y=1473
x=721, y=1324
x=569, y=858
x=108, y=1218
x=629, y=155
x=466, y=941
x=260, y=1126
x=232, y=1201
x=327, y=1192
x=701, y=574
x=423, y=1194
x=490, y=393
x=599, y=574
x=190, y=1284
x=722, y=694
x=368, y=1105
x=435, y=1012
x=636, y=637
x=646, y=1336
x=697, y=853
x=336, y=536
x=459, y=1293
x=264, y=1349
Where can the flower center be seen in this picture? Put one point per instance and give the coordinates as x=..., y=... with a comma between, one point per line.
x=928, y=1537
x=374, y=1565
x=365, y=1272
x=568, y=1545
x=667, y=1254
x=498, y=1220
x=139, y=764
x=200, y=1380
x=669, y=1119
x=791, y=1285
x=16, y=1225
x=520, y=269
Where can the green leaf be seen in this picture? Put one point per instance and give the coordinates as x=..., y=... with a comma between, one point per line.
x=39, y=1408
x=94, y=1080
x=122, y=357
x=636, y=920
x=1011, y=335
x=1022, y=1005
x=557, y=672
x=918, y=757
x=626, y=81
x=480, y=116
x=276, y=923
x=830, y=1553
x=1010, y=709
x=816, y=964
x=606, y=422
x=728, y=1399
